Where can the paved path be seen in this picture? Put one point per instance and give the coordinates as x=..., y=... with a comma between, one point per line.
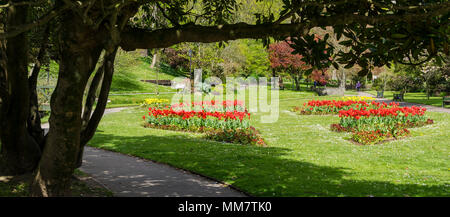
x=428, y=107
x=133, y=177
x=128, y=176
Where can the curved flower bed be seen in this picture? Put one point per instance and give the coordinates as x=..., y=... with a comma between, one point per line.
x=370, y=122
x=227, y=121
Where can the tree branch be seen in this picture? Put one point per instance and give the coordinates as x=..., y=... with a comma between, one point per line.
x=16, y=30
x=34, y=119
x=90, y=99
x=89, y=131
x=133, y=38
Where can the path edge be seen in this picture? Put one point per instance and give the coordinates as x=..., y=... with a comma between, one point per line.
x=182, y=169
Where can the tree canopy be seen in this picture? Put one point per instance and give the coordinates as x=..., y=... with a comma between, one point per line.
x=84, y=36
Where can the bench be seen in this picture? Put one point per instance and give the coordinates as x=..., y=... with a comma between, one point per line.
x=445, y=101
x=44, y=93
x=398, y=97
x=320, y=91
x=380, y=94
x=159, y=82
x=43, y=109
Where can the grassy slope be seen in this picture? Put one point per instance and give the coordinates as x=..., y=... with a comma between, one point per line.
x=129, y=70
x=304, y=157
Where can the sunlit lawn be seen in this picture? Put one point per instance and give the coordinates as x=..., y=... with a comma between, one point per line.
x=304, y=157
x=420, y=98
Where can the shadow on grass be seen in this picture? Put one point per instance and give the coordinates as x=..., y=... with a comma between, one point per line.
x=256, y=170
x=434, y=102
x=166, y=69
x=123, y=82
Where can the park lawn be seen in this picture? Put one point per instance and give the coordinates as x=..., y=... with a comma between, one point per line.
x=134, y=99
x=420, y=98
x=303, y=157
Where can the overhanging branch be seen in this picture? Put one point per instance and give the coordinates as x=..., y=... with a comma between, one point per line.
x=133, y=38
x=16, y=30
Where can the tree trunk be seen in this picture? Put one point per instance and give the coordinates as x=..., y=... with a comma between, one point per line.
x=34, y=119
x=274, y=74
x=154, y=60
x=297, y=83
x=343, y=80
x=19, y=152
x=89, y=131
x=80, y=52
x=297, y=75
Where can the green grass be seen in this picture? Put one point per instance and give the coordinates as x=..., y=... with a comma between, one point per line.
x=45, y=119
x=420, y=98
x=304, y=157
x=134, y=100
x=131, y=68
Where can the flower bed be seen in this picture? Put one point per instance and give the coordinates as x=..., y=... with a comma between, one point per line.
x=375, y=137
x=322, y=107
x=211, y=106
x=370, y=122
x=382, y=117
x=156, y=103
x=227, y=121
x=376, y=125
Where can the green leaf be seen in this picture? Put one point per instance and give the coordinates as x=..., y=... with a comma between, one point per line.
x=398, y=36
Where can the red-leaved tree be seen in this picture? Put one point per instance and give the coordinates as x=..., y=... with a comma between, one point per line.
x=320, y=76
x=282, y=59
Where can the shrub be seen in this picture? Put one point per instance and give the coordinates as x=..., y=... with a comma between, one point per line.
x=246, y=136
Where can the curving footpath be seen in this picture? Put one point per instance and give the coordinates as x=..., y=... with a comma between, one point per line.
x=128, y=176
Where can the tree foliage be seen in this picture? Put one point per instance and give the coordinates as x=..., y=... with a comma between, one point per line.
x=88, y=33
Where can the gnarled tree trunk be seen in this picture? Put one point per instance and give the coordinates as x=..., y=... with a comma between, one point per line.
x=79, y=54
x=19, y=151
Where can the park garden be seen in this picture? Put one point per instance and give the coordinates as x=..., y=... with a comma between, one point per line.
x=343, y=145
x=303, y=155
x=361, y=90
